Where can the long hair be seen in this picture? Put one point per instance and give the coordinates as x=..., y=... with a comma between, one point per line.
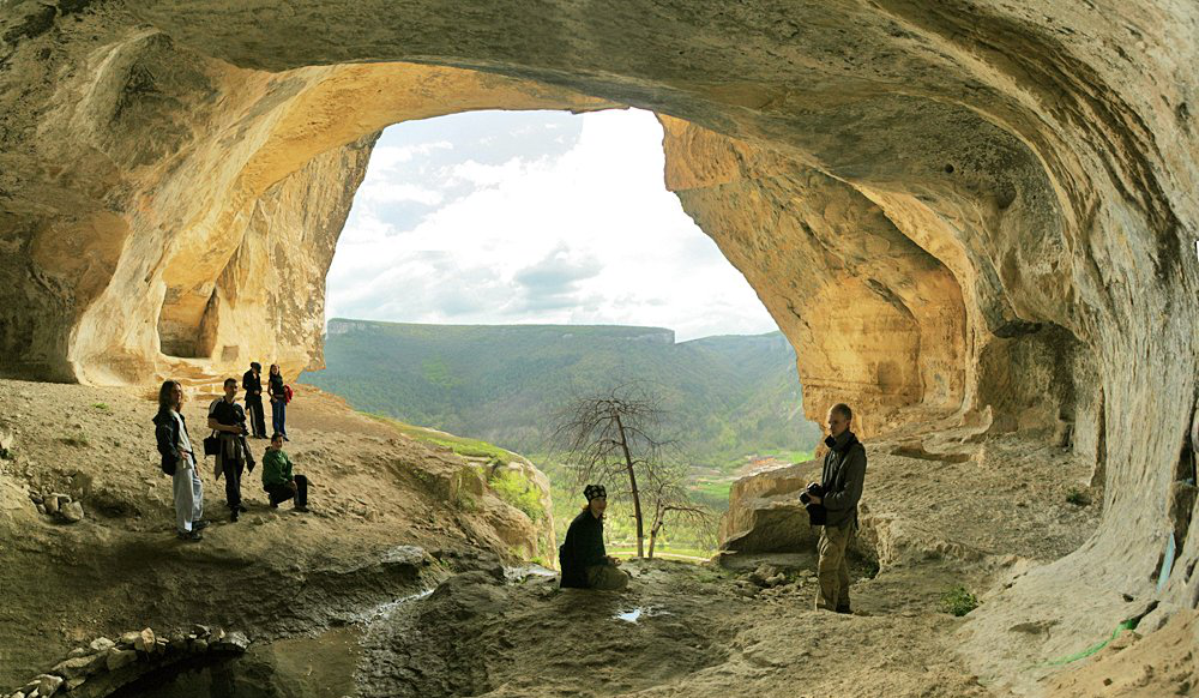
x=276, y=371
x=166, y=395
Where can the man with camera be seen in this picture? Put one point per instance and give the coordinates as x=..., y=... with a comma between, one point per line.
x=227, y=420
x=833, y=503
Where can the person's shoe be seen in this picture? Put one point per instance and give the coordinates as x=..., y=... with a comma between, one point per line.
x=190, y=537
x=845, y=610
x=274, y=505
x=199, y=525
x=301, y=507
x=285, y=438
x=242, y=508
x=233, y=516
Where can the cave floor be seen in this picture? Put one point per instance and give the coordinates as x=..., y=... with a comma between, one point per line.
x=701, y=630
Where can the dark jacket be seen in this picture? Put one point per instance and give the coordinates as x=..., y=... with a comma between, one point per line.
x=166, y=433
x=252, y=384
x=583, y=548
x=842, y=478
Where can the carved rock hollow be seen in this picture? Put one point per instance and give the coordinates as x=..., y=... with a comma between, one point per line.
x=955, y=211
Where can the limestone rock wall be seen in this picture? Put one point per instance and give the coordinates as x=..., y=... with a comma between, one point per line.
x=969, y=211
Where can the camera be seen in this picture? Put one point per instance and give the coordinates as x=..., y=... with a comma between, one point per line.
x=813, y=489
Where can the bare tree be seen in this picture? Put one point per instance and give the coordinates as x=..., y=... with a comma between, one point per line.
x=612, y=436
x=669, y=500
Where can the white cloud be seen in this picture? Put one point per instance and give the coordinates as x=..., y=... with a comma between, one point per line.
x=588, y=236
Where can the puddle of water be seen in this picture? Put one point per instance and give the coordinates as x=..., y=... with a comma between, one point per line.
x=630, y=616
x=516, y=575
x=302, y=667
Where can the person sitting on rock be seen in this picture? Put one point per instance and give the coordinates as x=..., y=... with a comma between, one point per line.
x=278, y=479
x=840, y=490
x=584, y=562
x=179, y=462
x=228, y=420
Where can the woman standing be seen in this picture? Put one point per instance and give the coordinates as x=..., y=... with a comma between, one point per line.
x=179, y=462
x=278, y=401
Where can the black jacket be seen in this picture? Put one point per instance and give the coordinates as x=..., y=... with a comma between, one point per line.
x=166, y=433
x=842, y=477
x=251, y=383
x=583, y=548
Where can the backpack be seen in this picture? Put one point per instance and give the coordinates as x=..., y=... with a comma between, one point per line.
x=287, y=394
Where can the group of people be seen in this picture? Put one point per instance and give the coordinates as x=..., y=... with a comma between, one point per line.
x=583, y=560
x=231, y=428
x=831, y=504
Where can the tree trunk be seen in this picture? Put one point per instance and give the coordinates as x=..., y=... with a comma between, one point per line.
x=653, y=536
x=628, y=461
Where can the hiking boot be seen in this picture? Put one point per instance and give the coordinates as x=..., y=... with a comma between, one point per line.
x=199, y=525
x=300, y=507
x=189, y=536
x=233, y=516
x=242, y=508
x=845, y=610
x=274, y=505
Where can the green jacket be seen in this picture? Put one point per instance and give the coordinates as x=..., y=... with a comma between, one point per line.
x=276, y=469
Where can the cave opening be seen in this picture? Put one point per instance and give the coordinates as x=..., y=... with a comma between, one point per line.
x=496, y=263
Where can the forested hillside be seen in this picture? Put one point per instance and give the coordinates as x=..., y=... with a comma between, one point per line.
x=726, y=397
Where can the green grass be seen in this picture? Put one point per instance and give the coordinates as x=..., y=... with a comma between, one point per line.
x=718, y=489
x=958, y=601
x=516, y=490
x=470, y=448
x=102, y=406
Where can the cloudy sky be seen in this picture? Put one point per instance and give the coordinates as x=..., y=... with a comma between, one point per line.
x=532, y=217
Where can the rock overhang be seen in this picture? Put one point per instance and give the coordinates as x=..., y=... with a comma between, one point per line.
x=954, y=212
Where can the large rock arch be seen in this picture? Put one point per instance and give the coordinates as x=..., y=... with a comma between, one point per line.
x=930, y=197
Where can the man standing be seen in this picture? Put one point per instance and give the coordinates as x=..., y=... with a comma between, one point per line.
x=228, y=420
x=842, y=478
x=251, y=382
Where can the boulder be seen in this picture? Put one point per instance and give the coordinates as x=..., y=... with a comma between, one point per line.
x=235, y=641
x=71, y=512
x=765, y=514
x=144, y=642
x=101, y=644
x=79, y=666
x=48, y=685
x=118, y=658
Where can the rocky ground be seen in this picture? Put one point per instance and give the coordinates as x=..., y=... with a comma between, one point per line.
x=318, y=592
x=385, y=510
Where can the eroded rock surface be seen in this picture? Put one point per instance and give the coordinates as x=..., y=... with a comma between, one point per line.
x=980, y=212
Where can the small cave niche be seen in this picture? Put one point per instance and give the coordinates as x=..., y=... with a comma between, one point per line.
x=186, y=324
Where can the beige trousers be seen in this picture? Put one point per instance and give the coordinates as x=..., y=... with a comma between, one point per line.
x=606, y=578
x=833, y=570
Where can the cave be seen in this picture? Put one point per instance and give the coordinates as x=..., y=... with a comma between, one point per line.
x=962, y=214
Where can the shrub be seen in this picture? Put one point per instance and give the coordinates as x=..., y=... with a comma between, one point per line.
x=102, y=406
x=958, y=601
x=1077, y=498
x=517, y=491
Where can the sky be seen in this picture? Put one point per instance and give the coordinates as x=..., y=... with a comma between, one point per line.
x=534, y=217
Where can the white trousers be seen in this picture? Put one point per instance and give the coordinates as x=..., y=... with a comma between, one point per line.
x=189, y=495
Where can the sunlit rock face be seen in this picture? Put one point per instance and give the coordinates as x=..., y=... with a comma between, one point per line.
x=979, y=213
